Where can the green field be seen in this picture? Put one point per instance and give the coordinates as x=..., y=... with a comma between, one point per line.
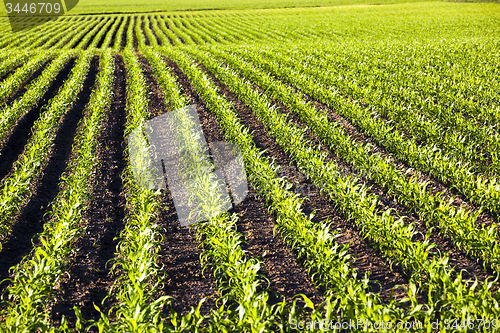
x=122, y=6
x=368, y=133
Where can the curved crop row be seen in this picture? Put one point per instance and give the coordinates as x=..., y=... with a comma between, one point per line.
x=16, y=188
x=111, y=33
x=33, y=285
x=12, y=60
x=103, y=30
x=119, y=35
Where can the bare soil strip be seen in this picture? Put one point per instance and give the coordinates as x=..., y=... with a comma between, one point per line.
x=143, y=24
x=124, y=33
x=30, y=222
x=485, y=218
x=89, y=280
x=286, y=277
x=158, y=40
x=20, y=133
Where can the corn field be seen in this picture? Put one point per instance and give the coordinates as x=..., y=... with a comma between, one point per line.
x=369, y=137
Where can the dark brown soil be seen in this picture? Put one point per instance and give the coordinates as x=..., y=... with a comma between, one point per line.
x=89, y=280
x=133, y=32
x=143, y=24
x=20, y=133
x=124, y=33
x=103, y=37
x=18, y=243
x=158, y=40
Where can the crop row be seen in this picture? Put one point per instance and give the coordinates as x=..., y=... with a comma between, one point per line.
x=32, y=287
x=9, y=61
x=137, y=251
x=16, y=187
x=469, y=90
